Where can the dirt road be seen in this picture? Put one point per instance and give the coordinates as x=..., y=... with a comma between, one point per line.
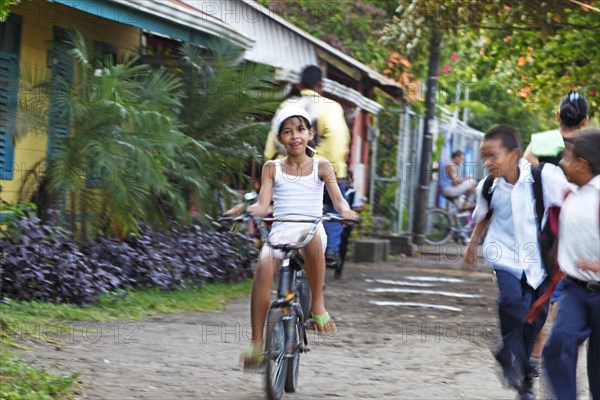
x=384, y=349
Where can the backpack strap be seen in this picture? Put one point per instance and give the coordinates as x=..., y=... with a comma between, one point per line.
x=487, y=192
x=538, y=194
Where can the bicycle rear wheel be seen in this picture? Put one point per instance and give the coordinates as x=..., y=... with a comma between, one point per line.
x=276, y=372
x=438, y=226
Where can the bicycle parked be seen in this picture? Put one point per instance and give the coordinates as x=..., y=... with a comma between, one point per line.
x=441, y=225
x=287, y=321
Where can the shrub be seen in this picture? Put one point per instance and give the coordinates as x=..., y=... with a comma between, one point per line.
x=41, y=261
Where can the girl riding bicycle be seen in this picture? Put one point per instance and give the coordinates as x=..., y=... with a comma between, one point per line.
x=295, y=184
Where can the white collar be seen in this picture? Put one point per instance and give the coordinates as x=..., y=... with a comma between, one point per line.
x=524, y=173
x=594, y=183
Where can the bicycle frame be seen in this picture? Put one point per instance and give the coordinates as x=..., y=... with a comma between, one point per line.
x=285, y=318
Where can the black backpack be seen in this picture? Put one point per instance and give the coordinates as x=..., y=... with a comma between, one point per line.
x=546, y=236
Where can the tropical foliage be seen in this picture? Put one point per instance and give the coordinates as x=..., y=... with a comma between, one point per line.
x=115, y=165
x=140, y=145
x=532, y=55
x=41, y=261
x=4, y=4
x=226, y=108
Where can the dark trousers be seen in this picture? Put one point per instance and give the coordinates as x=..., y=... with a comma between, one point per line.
x=518, y=337
x=578, y=318
x=333, y=229
x=344, y=243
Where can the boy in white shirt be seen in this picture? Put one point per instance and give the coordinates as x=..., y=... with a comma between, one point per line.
x=578, y=315
x=512, y=247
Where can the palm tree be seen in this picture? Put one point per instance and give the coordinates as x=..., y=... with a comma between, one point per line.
x=227, y=102
x=124, y=142
x=126, y=157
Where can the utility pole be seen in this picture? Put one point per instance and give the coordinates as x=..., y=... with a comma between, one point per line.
x=421, y=196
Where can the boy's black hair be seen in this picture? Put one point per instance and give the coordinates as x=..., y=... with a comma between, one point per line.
x=506, y=133
x=311, y=76
x=573, y=108
x=457, y=153
x=587, y=146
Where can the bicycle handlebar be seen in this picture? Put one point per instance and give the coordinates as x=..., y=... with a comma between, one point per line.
x=289, y=246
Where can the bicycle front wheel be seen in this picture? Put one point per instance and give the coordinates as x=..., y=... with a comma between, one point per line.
x=438, y=226
x=293, y=366
x=275, y=355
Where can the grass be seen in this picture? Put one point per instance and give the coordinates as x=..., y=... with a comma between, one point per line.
x=27, y=320
x=136, y=304
x=21, y=381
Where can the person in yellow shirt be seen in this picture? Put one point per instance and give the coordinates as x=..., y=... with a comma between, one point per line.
x=332, y=144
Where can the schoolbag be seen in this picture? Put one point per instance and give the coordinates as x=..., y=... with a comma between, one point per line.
x=548, y=232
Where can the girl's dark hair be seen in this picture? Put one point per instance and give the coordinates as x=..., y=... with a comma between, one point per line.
x=586, y=145
x=457, y=153
x=573, y=108
x=306, y=122
x=506, y=133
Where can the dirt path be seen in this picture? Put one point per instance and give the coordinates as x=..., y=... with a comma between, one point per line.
x=381, y=351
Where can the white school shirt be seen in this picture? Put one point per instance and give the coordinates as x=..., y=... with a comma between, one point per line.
x=512, y=242
x=579, y=230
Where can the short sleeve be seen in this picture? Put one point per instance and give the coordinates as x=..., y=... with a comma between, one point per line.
x=547, y=144
x=554, y=185
x=482, y=207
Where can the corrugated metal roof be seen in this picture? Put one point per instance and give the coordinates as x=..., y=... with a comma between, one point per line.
x=281, y=44
x=275, y=44
x=337, y=89
x=178, y=12
x=382, y=80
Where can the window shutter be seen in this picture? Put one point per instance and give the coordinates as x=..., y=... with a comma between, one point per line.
x=9, y=78
x=60, y=90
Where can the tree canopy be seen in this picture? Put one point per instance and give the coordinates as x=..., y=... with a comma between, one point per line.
x=534, y=54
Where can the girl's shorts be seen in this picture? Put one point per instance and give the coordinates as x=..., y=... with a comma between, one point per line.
x=291, y=233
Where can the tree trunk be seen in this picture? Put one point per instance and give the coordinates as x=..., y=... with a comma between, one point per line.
x=421, y=195
x=84, y=211
x=73, y=213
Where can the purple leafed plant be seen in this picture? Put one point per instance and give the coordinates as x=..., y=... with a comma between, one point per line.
x=41, y=261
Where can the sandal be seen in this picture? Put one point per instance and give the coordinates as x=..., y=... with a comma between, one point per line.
x=324, y=324
x=253, y=358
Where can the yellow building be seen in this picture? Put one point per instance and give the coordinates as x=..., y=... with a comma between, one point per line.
x=113, y=27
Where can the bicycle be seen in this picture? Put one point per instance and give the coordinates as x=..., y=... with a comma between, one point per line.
x=442, y=224
x=286, y=322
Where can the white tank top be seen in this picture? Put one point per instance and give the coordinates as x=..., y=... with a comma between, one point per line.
x=297, y=196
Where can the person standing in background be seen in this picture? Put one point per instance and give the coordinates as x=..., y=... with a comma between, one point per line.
x=548, y=146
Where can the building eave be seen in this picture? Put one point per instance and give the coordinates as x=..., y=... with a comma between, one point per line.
x=386, y=84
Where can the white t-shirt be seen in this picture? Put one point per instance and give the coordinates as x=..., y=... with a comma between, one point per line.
x=579, y=230
x=512, y=242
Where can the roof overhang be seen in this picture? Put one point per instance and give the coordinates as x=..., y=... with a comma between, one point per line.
x=333, y=55
x=169, y=18
x=334, y=88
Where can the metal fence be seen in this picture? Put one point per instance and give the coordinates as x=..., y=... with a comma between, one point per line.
x=396, y=158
